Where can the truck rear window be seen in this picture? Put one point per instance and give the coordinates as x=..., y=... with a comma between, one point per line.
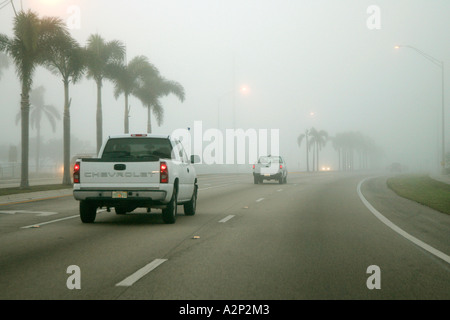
x=137, y=149
x=269, y=159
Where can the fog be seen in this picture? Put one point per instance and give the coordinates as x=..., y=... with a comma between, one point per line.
x=325, y=64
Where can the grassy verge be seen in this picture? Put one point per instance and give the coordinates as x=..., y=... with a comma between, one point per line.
x=9, y=191
x=422, y=189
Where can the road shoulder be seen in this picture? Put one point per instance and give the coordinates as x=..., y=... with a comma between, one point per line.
x=34, y=196
x=428, y=225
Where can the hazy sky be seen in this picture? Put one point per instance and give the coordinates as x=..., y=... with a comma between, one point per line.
x=295, y=56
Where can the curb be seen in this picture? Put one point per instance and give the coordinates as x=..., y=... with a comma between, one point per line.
x=444, y=179
x=34, y=196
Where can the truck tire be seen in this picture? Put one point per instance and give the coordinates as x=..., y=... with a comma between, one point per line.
x=191, y=206
x=169, y=214
x=88, y=212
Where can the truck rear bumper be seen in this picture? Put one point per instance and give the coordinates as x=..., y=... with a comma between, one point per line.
x=109, y=198
x=268, y=176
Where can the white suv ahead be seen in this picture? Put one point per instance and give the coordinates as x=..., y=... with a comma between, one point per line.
x=270, y=168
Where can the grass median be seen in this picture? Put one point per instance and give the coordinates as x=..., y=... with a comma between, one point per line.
x=50, y=187
x=422, y=189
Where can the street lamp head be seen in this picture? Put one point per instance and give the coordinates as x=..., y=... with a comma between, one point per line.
x=245, y=89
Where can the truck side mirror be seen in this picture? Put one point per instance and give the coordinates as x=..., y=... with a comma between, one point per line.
x=195, y=159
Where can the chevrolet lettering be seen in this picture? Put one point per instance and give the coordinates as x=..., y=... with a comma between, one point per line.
x=119, y=174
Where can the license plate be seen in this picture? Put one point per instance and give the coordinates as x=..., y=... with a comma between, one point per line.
x=119, y=195
x=267, y=175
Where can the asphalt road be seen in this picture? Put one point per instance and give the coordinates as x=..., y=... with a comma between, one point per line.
x=312, y=238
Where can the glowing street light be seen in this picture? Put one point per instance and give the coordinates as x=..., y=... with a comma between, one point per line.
x=245, y=90
x=441, y=65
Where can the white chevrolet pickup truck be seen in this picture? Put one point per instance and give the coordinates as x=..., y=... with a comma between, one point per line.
x=137, y=171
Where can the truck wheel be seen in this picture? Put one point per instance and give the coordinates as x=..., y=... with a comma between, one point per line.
x=255, y=179
x=88, y=212
x=191, y=206
x=169, y=214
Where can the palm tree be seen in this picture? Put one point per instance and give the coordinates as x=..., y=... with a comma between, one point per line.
x=37, y=110
x=27, y=49
x=154, y=88
x=349, y=143
x=318, y=140
x=100, y=56
x=299, y=142
x=128, y=78
x=66, y=59
x=337, y=143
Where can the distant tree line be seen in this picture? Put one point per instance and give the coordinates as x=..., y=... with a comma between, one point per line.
x=355, y=150
x=47, y=42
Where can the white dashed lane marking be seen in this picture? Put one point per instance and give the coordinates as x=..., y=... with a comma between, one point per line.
x=129, y=281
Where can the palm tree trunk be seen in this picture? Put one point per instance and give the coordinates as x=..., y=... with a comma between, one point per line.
x=99, y=115
x=38, y=146
x=307, y=153
x=149, y=119
x=314, y=157
x=66, y=135
x=127, y=115
x=317, y=156
x=25, y=132
x=339, y=158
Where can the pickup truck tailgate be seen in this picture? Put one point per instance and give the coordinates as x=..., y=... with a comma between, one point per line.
x=268, y=168
x=127, y=175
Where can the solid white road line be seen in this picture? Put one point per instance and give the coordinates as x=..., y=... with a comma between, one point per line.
x=226, y=219
x=214, y=187
x=38, y=213
x=48, y=222
x=140, y=273
x=387, y=222
x=47, y=214
x=57, y=220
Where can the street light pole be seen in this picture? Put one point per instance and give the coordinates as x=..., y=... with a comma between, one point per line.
x=440, y=64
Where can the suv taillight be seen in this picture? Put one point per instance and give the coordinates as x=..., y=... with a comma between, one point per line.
x=76, y=173
x=163, y=173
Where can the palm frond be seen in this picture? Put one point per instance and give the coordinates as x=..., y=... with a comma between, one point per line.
x=64, y=57
x=158, y=111
x=100, y=55
x=4, y=43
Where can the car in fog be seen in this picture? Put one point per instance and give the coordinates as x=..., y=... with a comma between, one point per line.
x=270, y=168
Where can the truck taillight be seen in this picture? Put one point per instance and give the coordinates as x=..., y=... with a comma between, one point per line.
x=253, y=166
x=281, y=166
x=163, y=173
x=76, y=173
